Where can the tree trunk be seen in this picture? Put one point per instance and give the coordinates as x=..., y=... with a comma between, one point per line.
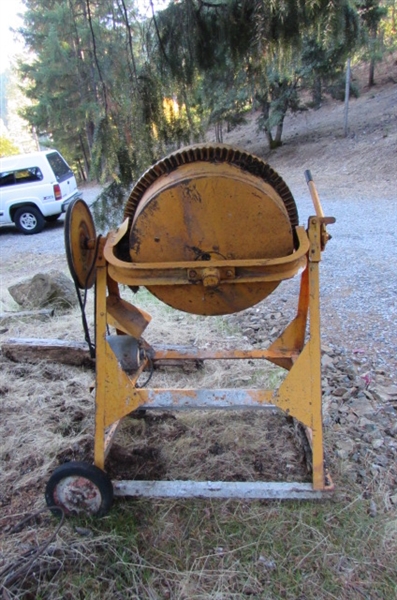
x=270, y=140
x=265, y=109
x=90, y=130
x=347, y=92
x=280, y=125
x=219, y=132
x=187, y=106
x=317, y=92
x=83, y=173
x=86, y=158
x=371, y=77
x=279, y=133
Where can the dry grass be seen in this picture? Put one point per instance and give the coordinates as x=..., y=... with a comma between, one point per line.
x=45, y=408
x=48, y=410
x=181, y=550
x=188, y=550
x=208, y=446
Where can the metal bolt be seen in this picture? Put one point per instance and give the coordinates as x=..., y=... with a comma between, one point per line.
x=192, y=274
x=211, y=277
x=210, y=281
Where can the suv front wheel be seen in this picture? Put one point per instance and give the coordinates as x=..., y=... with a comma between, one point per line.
x=29, y=220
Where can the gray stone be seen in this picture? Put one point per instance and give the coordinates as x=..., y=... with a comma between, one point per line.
x=45, y=289
x=340, y=391
x=375, y=470
x=344, y=447
x=366, y=423
x=385, y=394
x=326, y=361
x=392, y=430
x=351, y=418
x=362, y=407
x=377, y=443
x=382, y=460
x=326, y=349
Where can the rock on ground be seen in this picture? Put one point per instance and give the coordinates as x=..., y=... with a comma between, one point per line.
x=44, y=289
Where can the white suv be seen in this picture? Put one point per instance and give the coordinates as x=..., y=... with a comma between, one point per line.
x=35, y=188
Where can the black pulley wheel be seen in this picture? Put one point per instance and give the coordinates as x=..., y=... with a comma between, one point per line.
x=80, y=243
x=79, y=487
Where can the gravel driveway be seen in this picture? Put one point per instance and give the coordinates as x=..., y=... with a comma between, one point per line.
x=358, y=279
x=358, y=273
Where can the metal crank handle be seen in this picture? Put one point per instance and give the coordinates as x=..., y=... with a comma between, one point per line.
x=313, y=192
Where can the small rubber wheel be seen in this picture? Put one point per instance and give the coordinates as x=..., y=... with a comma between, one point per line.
x=52, y=218
x=29, y=220
x=79, y=487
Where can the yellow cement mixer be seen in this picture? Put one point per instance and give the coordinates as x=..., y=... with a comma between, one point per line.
x=209, y=230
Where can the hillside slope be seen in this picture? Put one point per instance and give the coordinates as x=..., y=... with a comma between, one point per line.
x=365, y=160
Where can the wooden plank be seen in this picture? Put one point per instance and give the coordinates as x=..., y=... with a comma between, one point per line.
x=34, y=350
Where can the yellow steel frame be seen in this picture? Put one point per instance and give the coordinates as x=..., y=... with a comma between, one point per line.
x=299, y=395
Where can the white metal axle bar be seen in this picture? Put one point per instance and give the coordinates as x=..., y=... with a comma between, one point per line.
x=254, y=490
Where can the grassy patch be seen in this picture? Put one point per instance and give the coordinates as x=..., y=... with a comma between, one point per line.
x=225, y=550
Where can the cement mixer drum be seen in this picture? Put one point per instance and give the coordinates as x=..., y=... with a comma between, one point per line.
x=211, y=204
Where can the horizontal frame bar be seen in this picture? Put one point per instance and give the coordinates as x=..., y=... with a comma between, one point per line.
x=205, y=398
x=209, y=405
x=192, y=353
x=243, y=490
x=169, y=273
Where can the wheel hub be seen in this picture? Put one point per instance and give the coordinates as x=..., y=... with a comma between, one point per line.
x=28, y=220
x=77, y=494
